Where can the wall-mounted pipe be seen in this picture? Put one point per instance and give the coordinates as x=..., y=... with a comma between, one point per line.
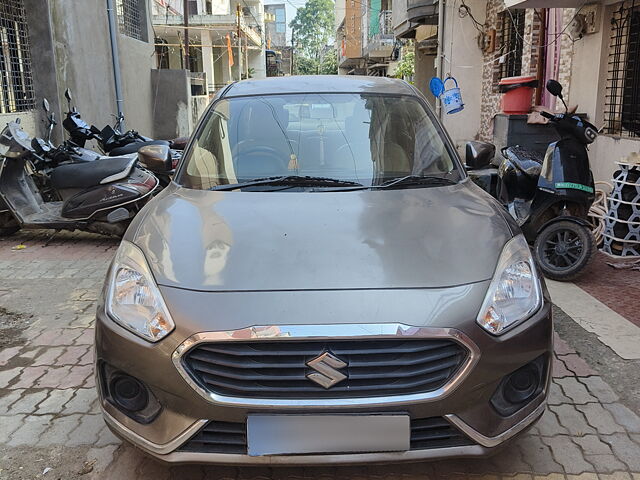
x=440, y=51
x=115, y=58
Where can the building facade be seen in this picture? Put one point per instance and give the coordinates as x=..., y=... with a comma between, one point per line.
x=364, y=38
x=592, y=50
x=50, y=45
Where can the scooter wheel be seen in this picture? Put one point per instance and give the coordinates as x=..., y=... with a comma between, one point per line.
x=563, y=250
x=8, y=224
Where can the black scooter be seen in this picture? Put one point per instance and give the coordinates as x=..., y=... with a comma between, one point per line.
x=100, y=196
x=548, y=197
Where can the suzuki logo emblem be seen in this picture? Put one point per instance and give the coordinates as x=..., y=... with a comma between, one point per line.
x=326, y=368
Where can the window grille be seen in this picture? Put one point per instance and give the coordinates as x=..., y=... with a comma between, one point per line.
x=622, y=102
x=511, y=35
x=130, y=18
x=162, y=53
x=16, y=82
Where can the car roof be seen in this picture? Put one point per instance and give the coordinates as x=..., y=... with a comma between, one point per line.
x=319, y=84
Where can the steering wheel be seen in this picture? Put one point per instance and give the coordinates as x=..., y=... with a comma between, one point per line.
x=268, y=157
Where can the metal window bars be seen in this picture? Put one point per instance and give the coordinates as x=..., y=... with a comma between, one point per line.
x=512, y=33
x=622, y=100
x=130, y=18
x=16, y=81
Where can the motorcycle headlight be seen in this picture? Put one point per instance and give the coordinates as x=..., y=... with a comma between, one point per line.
x=133, y=299
x=515, y=292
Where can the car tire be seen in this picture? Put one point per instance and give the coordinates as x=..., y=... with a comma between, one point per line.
x=564, y=249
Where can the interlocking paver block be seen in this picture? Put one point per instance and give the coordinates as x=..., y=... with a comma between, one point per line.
x=571, y=419
x=88, y=431
x=538, y=455
x=577, y=365
x=46, y=338
x=583, y=476
x=9, y=425
x=7, y=376
x=48, y=356
x=82, y=401
x=575, y=390
x=28, y=377
x=72, y=355
x=624, y=417
x=599, y=418
x=32, y=427
x=560, y=347
x=599, y=389
x=55, y=401
x=592, y=445
x=78, y=374
x=7, y=400
x=87, y=358
x=568, y=454
x=560, y=370
x=86, y=338
x=7, y=355
x=616, y=476
x=548, y=425
x=28, y=402
x=556, y=396
x=605, y=463
x=553, y=476
x=105, y=437
x=58, y=431
x=54, y=377
x=624, y=449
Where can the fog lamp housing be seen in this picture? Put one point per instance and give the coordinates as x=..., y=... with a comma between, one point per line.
x=128, y=394
x=520, y=387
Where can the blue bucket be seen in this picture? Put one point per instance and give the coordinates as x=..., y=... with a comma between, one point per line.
x=452, y=98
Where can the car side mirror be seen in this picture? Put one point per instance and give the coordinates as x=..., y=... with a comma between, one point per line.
x=554, y=88
x=45, y=105
x=479, y=154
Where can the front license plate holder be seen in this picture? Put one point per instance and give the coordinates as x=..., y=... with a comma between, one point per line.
x=310, y=434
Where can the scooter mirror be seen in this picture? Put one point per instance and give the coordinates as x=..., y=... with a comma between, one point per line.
x=45, y=105
x=554, y=88
x=67, y=95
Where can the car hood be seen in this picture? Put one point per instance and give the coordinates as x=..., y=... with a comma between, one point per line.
x=370, y=239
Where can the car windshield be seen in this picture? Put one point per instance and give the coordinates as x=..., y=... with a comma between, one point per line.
x=364, y=139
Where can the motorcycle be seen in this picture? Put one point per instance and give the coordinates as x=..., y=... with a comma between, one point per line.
x=549, y=197
x=100, y=196
x=155, y=156
x=111, y=140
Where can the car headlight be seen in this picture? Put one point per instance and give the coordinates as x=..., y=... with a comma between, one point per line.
x=133, y=298
x=515, y=292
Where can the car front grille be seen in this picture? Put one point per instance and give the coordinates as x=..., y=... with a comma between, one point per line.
x=278, y=369
x=230, y=438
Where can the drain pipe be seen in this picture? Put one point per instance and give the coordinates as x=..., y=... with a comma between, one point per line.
x=440, y=51
x=115, y=59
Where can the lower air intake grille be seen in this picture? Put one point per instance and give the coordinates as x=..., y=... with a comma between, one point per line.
x=226, y=437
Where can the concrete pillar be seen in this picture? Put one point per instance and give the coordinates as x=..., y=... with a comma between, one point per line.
x=207, y=60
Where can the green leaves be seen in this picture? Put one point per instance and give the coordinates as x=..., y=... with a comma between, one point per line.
x=313, y=27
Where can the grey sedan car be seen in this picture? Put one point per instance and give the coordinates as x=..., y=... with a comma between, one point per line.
x=322, y=283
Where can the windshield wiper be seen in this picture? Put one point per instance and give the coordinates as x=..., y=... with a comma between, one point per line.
x=408, y=180
x=291, y=180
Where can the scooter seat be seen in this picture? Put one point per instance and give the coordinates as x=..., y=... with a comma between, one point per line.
x=133, y=147
x=90, y=174
x=528, y=162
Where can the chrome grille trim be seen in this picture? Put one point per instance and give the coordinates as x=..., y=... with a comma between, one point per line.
x=282, y=333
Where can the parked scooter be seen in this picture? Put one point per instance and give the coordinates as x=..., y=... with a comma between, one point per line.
x=158, y=158
x=100, y=196
x=112, y=140
x=548, y=197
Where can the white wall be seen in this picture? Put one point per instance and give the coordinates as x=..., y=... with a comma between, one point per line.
x=464, y=63
x=588, y=88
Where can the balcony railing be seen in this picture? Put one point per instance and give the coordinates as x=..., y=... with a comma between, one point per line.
x=210, y=20
x=385, y=22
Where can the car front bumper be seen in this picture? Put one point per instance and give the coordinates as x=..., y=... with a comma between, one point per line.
x=185, y=410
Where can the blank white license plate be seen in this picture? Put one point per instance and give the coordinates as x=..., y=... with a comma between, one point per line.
x=300, y=434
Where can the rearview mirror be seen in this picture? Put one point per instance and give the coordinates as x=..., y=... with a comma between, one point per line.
x=45, y=105
x=554, y=88
x=479, y=154
x=67, y=95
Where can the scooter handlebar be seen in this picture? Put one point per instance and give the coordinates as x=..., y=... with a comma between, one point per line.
x=548, y=115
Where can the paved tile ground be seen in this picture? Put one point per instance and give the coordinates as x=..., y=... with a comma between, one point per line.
x=618, y=289
x=50, y=426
